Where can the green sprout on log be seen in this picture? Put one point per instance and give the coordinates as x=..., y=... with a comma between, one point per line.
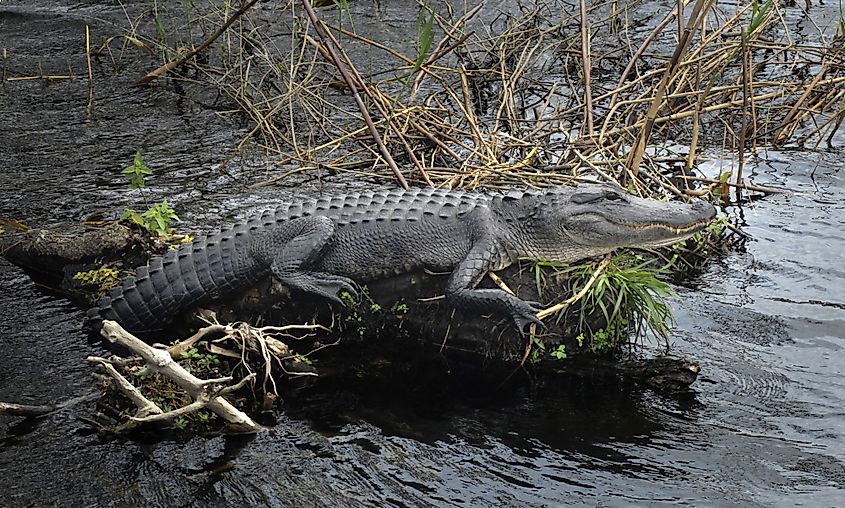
x=103, y=278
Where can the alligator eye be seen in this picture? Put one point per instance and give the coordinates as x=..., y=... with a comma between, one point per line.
x=613, y=196
x=583, y=198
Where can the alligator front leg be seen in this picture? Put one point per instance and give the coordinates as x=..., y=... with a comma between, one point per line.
x=460, y=290
x=298, y=244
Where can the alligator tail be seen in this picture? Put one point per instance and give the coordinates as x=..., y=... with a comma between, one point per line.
x=173, y=283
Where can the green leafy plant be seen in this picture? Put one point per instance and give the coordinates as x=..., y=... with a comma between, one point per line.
x=631, y=298
x=425, y=37
x=399, y=307
x=343, y=8
x=198, y=362
x=840, y=23
x=702, y=241
x=137, y=173
x=538, y=348
x=158, y=217
x=540, y=270
x=628, y=294
x=304, y=359
x=758, y=15
x=559, y=352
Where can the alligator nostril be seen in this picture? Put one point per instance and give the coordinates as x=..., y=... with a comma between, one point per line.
x=707, y=208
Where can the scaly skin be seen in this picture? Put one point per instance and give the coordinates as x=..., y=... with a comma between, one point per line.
x=325, y=245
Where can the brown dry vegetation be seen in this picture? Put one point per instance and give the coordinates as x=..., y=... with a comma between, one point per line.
x=535, y=94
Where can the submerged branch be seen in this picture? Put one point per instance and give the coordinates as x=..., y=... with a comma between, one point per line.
x=8, y=408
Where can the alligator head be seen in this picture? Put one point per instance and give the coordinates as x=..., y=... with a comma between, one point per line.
x=595, y=219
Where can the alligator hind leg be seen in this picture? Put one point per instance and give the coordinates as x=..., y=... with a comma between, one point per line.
x=301, y=243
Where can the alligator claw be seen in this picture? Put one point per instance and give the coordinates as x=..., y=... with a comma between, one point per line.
x=526, y=314
x=322, y=284
x=331, y=286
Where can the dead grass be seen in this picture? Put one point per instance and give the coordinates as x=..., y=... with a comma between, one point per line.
x=506, y=98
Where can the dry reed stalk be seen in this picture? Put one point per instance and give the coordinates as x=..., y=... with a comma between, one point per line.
x=744, y=112
x=90, y=107
x=328, y=42
x=499, y=107
x=790, y=122
x=441, y=49
x=162, y=70
x=585, y=60
x=699, y=11
x=642, y=48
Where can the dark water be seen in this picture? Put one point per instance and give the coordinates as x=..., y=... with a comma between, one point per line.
x=767, y=323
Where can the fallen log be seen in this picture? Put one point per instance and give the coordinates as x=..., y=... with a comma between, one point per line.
x=394, y=313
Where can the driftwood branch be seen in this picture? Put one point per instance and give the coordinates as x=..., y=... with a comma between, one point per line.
x=200, y=403
x=175, y=351
x=8, y=408
x=161, y=362
x=145, y=406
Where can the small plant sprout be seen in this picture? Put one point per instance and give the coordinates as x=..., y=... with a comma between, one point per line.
x=158, y=217
x=758, y=15
x=425, y=36
x=538, y=349
x=559, y=352
x=343, y=8
x=137, y=173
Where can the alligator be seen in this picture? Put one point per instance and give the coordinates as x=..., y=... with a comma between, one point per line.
x=330, y=244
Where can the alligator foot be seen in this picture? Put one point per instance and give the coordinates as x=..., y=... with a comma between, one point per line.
x=525, y=313
x=322, y=284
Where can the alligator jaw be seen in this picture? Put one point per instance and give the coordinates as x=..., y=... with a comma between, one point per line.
x=671, y=235
x=678, y=234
